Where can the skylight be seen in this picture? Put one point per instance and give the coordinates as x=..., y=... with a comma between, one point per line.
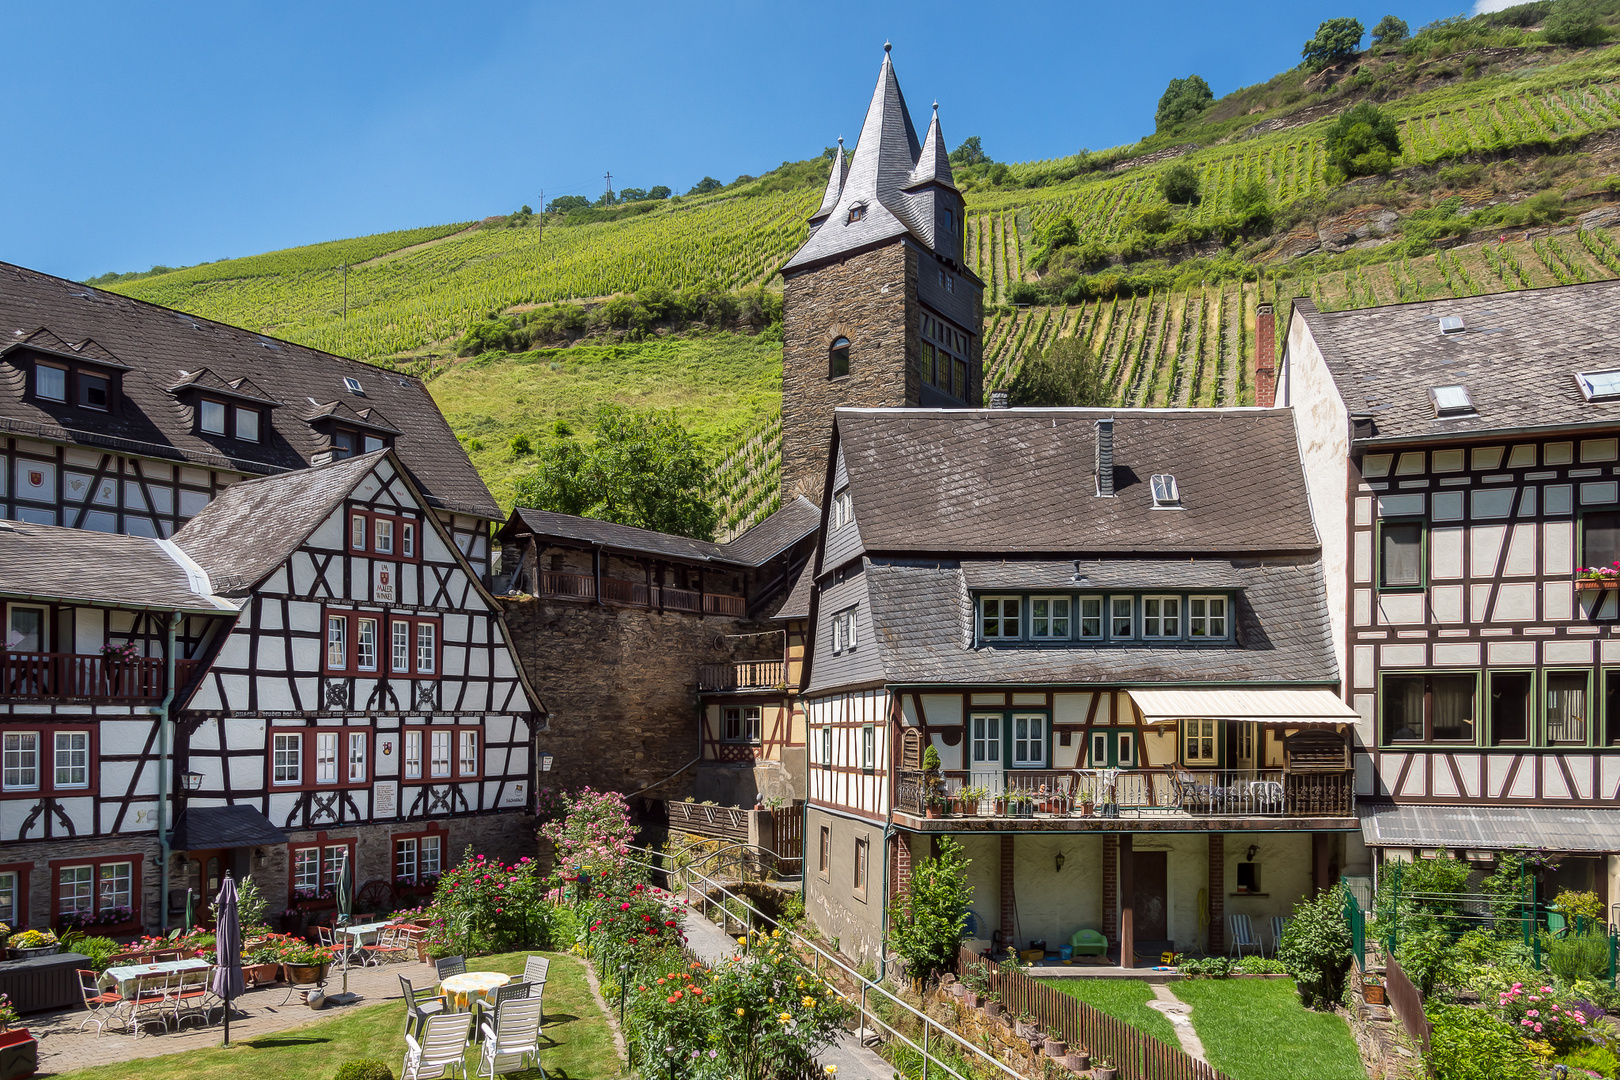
x=1599, y=385
x=1452, y=324
x=354, y=385
x=1165, y=491
x=1451, y=401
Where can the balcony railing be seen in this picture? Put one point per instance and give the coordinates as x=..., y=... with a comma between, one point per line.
x=85, y=677
x=558, y=585
x=743, y=675
x=1136, y=792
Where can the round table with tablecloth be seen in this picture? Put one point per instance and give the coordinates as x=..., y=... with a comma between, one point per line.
x=461, y=989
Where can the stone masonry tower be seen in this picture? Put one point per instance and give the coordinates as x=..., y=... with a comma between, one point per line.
x=879, y=308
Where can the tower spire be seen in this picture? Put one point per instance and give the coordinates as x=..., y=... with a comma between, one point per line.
x=835, y=185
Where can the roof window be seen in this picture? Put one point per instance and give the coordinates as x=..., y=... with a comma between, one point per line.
x=1166, y=494
x=857, y=213
x=354, y=385
x=1452, y=324
x=1599, y=385
x=1451, y=401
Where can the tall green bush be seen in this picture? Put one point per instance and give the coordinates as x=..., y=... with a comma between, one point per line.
x=1363, y=141
x=1471, y=1044
x=1316, y=948
x=927, y=929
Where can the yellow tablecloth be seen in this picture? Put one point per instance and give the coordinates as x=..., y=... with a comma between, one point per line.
x=461, y=989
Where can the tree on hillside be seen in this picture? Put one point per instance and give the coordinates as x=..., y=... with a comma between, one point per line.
x=1335, y=40
x=643, y=469
x=1574, y=22
x=1251, y=206
x=705, y=185
x=1179, y=184
x=564, y=203
x=632, y=194
x=1389, y=31
x=1183, y=100
x=1363, y=141
x=971, y=152
x=927, y=927
x=659, y=192
x=1068, y=373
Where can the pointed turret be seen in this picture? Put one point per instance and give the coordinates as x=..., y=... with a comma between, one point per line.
x=835, y=186
x=933, y=165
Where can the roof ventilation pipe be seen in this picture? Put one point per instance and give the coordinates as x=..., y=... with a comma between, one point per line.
x=1105, y=458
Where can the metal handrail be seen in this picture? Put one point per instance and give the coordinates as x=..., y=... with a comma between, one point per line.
x=867, y=985
x=759, y=852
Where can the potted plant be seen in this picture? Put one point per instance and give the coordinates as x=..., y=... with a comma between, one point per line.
x=1025, y=1026
x=31, y=943
x=19, y=1051
x=303, y=962
x=992, y=1006
x=1021, y=806
x=1088, y=803
x=1589, y=578
x=261, y=962
x=934, y=806
x=1372, y=989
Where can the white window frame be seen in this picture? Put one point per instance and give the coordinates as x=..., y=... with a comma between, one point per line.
x=209, y=410
x=115, y=889
x=1099, y=749
x=1197, y=736
x=407, y=539
x=985, y=745
x=62, y=375
x=826, y=745
x=383, y=535
x=844, y=636
x=427, y=648
x=413, y=755
x=1022, y=740
x=81, y=880
x=1000, y=617
x=1126, y=741
x=357, y=532
x=405, y=858
x=1051, y=619
x=19, y=761
x=1203, y=622
x=399, y=633
x=10, y=890
x=868, y=747
x=365, y=644
x=467, y=752
x=1128, y=617
x=1159, y=612
x=337, y=642
x=306, y=873
x=1090, y=608
x=843, y=508
x=287, y=758
x=430, y=854
x=357, y=757
x=441, y=741
x=326, y=757
x=77, y=759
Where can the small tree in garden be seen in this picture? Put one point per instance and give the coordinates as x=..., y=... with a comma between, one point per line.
x=927, y=929
x=1316, y=948
x=593, y=837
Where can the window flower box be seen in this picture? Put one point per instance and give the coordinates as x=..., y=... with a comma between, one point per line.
x=1597, y=578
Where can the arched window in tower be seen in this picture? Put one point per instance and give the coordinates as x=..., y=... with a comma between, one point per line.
x=857, y=213
x=838, y=358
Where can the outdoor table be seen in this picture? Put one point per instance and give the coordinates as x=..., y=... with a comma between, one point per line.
x=126, y=979
x=358, y=931
x=471, y=990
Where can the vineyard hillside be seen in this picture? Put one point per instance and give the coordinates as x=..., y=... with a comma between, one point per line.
x=1503, y=180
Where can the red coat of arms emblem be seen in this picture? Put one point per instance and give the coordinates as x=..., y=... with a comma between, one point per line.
x=36, y=478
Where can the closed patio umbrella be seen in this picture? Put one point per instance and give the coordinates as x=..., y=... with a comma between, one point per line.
x=345, y=913
x=191, y=910
x=227, y=950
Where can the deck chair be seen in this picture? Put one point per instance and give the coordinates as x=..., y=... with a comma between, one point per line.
x=103, y=1005
x=419, y=1005
x=390, y=948
x=1241, y=934
x=439, y=1051
x=513, y=1039
x=510, y=992
x=1557, y=925
x=1279, y=923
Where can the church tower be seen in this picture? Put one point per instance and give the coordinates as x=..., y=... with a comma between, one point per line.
x=879, y=307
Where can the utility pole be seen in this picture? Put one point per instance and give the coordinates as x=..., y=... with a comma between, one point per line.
x=540, y=233
x=609, y=199
x=345, y=294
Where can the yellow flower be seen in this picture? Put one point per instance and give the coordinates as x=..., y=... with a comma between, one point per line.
x=739, y=1012
x=832, y=1070
x=809, y=1002
x=743, y=941
x=786, y=1017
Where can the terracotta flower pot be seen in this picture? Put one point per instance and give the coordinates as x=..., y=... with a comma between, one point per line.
x=259, y=974
x=306, y=974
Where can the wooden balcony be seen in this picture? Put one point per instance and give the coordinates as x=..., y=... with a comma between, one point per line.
x=1173, y=792
x=36, y=676
x=560, y=586
x=743, y=675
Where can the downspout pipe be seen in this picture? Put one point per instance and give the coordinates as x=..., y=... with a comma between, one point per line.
x=162, y=712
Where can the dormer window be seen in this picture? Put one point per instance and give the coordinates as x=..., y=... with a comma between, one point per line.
x=857, y=213
x=50, y=383
x=94, y=391
x=347, y=442
x=227, y=418
x=1166, y=493
x=211, y=416
x=1451, y=401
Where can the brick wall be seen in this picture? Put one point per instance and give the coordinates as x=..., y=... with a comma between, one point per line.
x=870, y=299
x=1111, y=889
x=1009, y=906
x=900, y=871
x=1217, y=893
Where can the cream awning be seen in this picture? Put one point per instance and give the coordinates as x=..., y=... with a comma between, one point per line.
x=1268, y=706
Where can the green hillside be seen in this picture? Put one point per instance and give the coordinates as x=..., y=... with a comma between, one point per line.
x=1502, y=181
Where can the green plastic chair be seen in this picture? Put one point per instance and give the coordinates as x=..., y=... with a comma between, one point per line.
x=1088, y=943
x=1556, y=924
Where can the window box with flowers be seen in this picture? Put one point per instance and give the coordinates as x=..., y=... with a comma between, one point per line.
x=1597, y=578
x=118, y=919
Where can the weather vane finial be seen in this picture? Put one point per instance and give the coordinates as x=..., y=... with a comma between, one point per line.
x=887, y=46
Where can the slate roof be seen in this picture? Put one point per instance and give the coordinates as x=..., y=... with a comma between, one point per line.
x=48, y=562
x=756, y=547
x=885, y=165
x=1020, y=481
x=253, y=526
x=797, y=604
x=1517, y=356
x=161, y=349
x=204, y=828
x=923, y=619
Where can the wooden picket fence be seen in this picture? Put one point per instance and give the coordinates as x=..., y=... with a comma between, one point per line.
x=1138, y=1055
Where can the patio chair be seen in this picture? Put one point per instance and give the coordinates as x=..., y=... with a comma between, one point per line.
x=104, y=1006
x=192, y=994
x=514, y=1038
x=150, y=1005
x=1279, y=923
x=447, y=966
x=390, y=948
x=511, y=992
x=534, y=972
x=439, y=1051
x=162, y=956
x=419, y=1004
x=1241, y=934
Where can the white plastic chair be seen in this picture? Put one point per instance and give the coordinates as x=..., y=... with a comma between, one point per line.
x=440, y=1051
x=534, y=973
x=1279, y=923
x=514, y=1038
x=1242, y=934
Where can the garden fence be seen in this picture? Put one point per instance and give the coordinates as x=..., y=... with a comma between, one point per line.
x=1356, y=919
x=1407, y=1004
x=1138, y=1055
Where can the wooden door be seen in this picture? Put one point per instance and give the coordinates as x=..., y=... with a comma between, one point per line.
x=205, y=872
x=1150, y=912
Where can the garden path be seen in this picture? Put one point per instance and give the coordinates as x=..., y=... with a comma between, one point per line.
x=64, y=1047
x=854, y=1061
x=1179, y=1013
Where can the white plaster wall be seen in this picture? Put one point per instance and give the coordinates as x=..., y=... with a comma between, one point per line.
x=1285, y=876
x=1322, y=426
x=1052, y=904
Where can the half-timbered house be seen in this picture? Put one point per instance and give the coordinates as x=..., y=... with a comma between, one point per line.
x=1110, y=626
x=1463, y=457
x=118, y=415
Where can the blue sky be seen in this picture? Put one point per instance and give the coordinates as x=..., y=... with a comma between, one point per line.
x=182, y=132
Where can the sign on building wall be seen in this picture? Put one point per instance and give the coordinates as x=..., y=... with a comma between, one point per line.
x=385, y=799
x=384, y=591
x=516, y=793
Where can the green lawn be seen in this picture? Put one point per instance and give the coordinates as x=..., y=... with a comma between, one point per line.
x=1256, y=1029
x=580, y=1040
x=1123, y=999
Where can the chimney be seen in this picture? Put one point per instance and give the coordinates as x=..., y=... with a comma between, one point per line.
x=1105, y=458
x=999, y=399
x=1265, y=358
